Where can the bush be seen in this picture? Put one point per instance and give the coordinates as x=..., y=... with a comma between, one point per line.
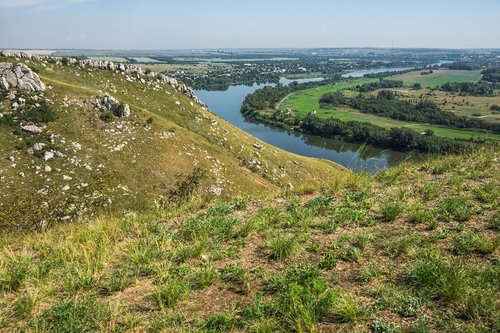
x=107, y=116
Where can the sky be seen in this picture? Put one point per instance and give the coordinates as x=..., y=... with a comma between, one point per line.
x=201, y=24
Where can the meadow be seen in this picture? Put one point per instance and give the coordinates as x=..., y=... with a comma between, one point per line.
x=438, y=77
x=413, y=249
x=304, y=101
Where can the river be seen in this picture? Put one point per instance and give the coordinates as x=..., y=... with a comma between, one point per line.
x=227, y=104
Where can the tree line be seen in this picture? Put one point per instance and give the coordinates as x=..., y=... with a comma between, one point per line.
x=387, y=104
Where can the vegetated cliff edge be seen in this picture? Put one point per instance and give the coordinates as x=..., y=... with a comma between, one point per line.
x=77, y=135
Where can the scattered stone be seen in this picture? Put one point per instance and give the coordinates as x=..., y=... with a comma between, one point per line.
x=38, y=146
x=215, y=190
x=15, y=105
x=11, y=158
x=48, y=155
x=65, y=188
x=22, y=174
x=67, y=177
x=126, y=111
x=32, y=129
x=257, y=146
x=20, y=76
x=48, y=168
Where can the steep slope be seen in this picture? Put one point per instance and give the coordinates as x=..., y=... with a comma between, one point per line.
x=414, y=249
x=169, y=146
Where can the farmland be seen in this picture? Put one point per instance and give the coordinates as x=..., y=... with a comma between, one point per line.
x=438, y=77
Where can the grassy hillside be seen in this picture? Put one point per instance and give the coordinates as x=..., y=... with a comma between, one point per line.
x=414, y=249
x=133, y=163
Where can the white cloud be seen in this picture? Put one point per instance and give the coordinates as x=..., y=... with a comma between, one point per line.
x=37, y=4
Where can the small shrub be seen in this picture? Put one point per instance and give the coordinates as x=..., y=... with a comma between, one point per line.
x=107, y=116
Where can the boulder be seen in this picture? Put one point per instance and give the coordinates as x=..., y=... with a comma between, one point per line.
x=31, y=129
x=48, y=155
x=126, y=110
x=20, y=76
x=4, y=84
x=38, y=146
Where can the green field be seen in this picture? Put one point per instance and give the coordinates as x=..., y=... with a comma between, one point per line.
x=113, y=59
x=145, y=60
x=304, y=101
x=439, y=77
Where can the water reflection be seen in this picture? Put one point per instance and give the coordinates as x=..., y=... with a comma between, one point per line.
x=227, y=104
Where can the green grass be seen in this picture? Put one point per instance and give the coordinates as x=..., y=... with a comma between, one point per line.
x=362, y=253
x=303, y=102
x=438, y=78
x=127, y=164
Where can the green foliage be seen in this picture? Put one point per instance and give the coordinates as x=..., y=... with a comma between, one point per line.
x=170, y=293
x=471, y=242
x=219, y=322
x=447, y=280
x=185, y=187
x=14, y=271
x=457, y=208
x=381, y=327
x=205, y=276
x=391, y=209
x=421, y=214
x=107, y=116
x=84, y=314
x=281, y=247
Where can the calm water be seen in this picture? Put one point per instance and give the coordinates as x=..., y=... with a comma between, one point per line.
x=227, y=104
x=363, y=72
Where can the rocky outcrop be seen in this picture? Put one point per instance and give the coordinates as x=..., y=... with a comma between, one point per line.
x=108, y=65
x=20, y=76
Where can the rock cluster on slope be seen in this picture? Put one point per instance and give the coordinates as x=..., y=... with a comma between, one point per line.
x=108, y=65
x=20, y=76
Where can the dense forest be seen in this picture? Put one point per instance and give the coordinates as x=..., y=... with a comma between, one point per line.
x=382, y=84
x=387, y=104
x=402, y=139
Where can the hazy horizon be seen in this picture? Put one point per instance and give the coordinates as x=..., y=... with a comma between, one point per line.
x=222, y=24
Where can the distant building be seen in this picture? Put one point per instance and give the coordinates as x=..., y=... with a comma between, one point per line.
x=312, y=113
x=288, y=112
